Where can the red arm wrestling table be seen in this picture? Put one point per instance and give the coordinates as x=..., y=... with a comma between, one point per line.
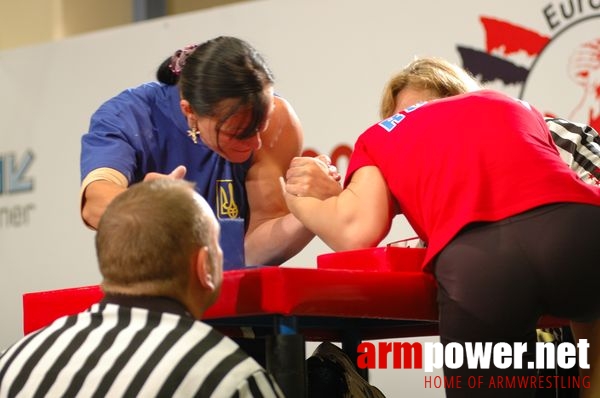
x=289, y=306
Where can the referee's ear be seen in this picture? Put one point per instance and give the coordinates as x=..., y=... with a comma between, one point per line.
x=203, y=269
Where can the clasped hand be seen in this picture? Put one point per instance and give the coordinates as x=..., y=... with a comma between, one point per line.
x=313, y=177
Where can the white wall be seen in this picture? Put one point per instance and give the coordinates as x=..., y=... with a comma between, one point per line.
x=331, y=59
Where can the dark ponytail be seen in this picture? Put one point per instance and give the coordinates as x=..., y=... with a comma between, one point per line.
x=165, y=75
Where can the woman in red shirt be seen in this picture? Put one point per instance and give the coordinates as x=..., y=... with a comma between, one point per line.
x=480, y=180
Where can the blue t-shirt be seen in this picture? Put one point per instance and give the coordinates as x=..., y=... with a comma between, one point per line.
x=143, y=130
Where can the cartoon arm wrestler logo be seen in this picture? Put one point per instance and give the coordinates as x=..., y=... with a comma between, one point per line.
x=584, y=70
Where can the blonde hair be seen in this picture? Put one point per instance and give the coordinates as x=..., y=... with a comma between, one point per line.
x=436, y=75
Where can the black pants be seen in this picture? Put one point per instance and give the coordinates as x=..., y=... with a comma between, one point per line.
x=496, y=280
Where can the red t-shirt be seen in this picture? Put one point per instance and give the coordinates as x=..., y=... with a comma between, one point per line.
x=481, y=156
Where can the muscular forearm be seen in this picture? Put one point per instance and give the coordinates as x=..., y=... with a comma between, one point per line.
x=337, y=222
x=96, y=197
x=101, y=186
x=275, y=241
x=360, y=216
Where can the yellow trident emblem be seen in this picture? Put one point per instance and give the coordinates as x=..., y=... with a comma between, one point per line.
x=226, y=201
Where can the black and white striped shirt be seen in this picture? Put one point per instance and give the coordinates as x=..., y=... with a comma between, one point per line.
x=579, y=146
x=115, y=350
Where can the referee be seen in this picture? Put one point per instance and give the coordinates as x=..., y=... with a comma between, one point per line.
x=161, y=263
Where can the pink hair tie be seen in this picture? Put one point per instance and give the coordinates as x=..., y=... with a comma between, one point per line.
x=178, y=59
